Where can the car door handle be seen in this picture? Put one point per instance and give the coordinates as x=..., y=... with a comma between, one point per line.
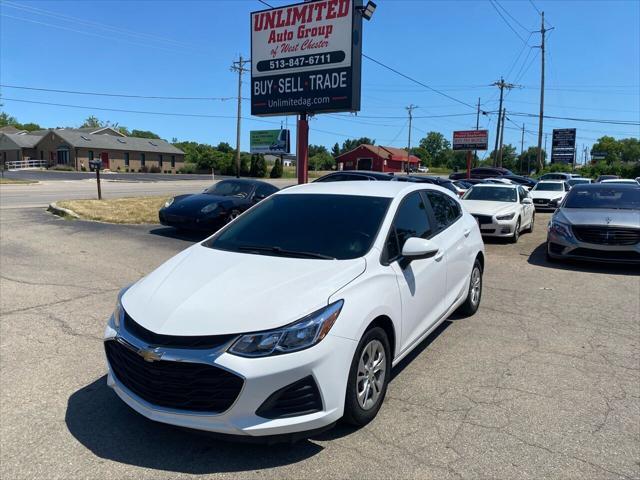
x=438, y=256
x=467, y=232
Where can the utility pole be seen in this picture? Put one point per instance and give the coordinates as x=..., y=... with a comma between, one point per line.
x=239, y=67
x=475, y=152
x=522, y=148
x=543, y=31
x=501, y=85
x=504, y=115
x=410, y=109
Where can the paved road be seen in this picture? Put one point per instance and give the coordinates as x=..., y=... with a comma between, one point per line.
x=544, y=382
x=43, y=193
x=53, y=175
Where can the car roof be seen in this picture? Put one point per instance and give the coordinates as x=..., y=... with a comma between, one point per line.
x=619, y=180
x=551, y=181
x=366, y=173
x=368, y=189
x=604, y=186
x=496, y=185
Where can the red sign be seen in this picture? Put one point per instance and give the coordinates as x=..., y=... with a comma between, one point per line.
x=471, y=140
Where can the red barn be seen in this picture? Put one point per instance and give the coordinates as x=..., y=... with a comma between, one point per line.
x=377, y=158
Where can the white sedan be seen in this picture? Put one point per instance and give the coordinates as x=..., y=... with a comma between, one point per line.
x=501, y=210
x=292, y=315
x=548, y=194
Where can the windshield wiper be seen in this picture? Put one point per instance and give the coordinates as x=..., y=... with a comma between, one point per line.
x=283, y=252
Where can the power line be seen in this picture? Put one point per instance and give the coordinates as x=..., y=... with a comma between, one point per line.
x=439, y=92
x=574, y=119
x=265, y=3
x=507, y=22
x=534, y=6
x=123, y=95
x=512, y=17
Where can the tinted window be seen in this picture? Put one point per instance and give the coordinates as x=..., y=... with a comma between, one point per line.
x=449, y=186
x=446, y=210
x=230, y=188
x=617, y=198
x=523, y=193
x=492, y=194
x=265, y=190
x=548, y=187
x=412, y=219
x=342, y=177
x=335, y=226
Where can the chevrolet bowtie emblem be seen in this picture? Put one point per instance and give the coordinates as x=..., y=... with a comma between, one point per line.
x=150, y=355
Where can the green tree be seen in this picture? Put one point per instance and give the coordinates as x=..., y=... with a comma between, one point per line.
x=253, y=168
x=509, y=157
x=276, y=171
x=350, y=144
x=610, y=147
x=6, y=120
x=224, y=147
x=527, y=160
x=321, y=161
x=316, y=149
x=630, y=149
x=143, y=134
x=92, y=122
x=435, y=147
x=335, y=151
x=261, y=166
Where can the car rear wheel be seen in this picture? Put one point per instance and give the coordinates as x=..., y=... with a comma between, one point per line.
x=516, y=233
x=533, y=219
x=474, y=295
x=368, y=378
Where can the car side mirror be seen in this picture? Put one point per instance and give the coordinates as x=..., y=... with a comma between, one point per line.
x=527, y=201
x=418, y=248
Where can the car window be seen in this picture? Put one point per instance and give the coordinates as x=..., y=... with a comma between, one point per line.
x=411, y=220
x=445, y=209
x=523, y=193
x=342, y=177
x=230, y=188
x=265, y=190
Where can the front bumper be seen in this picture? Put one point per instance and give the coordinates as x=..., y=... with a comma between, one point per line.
x=205, y=223
x=560, y=247
x=327, y=362
x=546, y=205
x=498, y=228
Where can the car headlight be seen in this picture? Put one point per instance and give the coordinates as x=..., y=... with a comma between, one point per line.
x=118, y=311
x=296, y=336
x=508, y=216
x=168, y=202
x=209, y=208
x=559, y=228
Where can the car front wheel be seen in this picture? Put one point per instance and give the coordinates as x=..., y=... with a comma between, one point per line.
x=368, y=378
x=474, y=295
x=516, y=233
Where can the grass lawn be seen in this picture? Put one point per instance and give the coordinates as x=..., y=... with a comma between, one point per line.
x=117, y=210
x=14, y=181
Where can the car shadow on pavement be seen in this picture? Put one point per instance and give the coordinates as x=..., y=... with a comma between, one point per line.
x=539, y=257
x=185, y=235
x=100, y=421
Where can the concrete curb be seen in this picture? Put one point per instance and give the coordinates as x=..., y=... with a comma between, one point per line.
x=62, y=212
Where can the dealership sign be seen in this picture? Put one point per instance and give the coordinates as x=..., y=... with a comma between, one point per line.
x=563, y=145
x=305, y=58
x=471, y=140
x=270, y=141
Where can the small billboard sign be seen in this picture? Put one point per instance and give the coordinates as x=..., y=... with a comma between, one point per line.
x=276, y=142
x=563, y=145
x=471, y=140
x=306, y=58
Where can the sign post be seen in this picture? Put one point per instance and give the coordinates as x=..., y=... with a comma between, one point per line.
x=470, y=140
x=306, y=59
x=97, y=165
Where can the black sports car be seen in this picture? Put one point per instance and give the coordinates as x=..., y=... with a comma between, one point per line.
x=216, y=206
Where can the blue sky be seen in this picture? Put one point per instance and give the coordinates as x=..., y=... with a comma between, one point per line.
x=185, y=48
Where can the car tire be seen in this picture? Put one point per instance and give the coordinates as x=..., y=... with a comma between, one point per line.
x=533, y=220
x=232, y=215
x=516, y=233
x=550, y=259
x=365, y=395
x=474, y=294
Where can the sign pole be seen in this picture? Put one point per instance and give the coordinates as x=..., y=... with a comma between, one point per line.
x=302, y=147
x=98, y=182
x=468, y=164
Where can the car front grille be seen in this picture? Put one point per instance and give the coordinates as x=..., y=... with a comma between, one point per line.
x=484, y=219
x=299, y=398
x=194, y=387
x=540, y=201
x=606, y=235
x=174, y=341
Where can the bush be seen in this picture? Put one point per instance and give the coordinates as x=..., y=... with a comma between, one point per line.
x=144, y=169
x=188, y=168
x=276, y=171
x=155, y=169
x=63, y=168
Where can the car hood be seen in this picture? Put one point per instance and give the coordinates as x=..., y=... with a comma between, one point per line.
x=549, y=195
x=203, y=291
x=198, y=201
x=484, y=207
x=599, y=216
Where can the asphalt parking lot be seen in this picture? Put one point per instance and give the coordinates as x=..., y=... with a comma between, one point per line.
x=543, y=382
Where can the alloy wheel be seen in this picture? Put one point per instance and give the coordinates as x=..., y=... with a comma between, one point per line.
x=476, y=286
x=371, y=374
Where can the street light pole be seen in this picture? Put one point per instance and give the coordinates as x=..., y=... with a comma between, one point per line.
x=410, y=109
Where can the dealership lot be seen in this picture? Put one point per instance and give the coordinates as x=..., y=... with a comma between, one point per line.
x=544, y=381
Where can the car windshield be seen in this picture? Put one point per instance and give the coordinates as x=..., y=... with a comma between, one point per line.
x=616, y=198
x=306, y=226
x=493, y=194
x=578, y=181
x=230, y=188
x=548, y=187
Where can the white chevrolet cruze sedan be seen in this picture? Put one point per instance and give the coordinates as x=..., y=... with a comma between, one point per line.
x=291, y=316
x=501, y=210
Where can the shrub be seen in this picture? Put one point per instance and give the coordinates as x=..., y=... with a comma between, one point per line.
x=276, y=171
x=188, y=168
x=155, y=169
x=63, y=168
x=144, y=169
